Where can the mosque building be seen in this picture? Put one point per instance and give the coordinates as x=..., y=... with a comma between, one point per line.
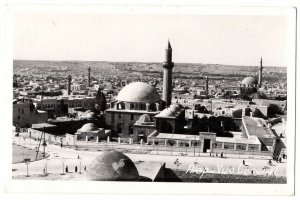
x=250, y=85
x=139, y=113
x=136, y=99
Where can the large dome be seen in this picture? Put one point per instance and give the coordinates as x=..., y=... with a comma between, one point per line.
x=112, y=166
x=250, y=80
x=88, y=127
x=138, y=92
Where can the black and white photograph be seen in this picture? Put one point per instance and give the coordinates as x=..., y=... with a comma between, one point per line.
x=178, y=97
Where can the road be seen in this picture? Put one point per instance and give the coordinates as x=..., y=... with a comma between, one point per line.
x=61, y=157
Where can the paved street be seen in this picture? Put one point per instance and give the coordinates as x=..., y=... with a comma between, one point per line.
x=61, y=157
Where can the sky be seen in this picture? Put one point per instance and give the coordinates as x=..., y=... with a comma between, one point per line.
x=227, y=39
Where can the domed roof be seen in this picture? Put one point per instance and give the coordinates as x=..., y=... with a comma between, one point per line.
x=167, y=112
x=201, y=116
x=113, y=166
x=176, y=107
x=91, y=115
x=250, y=80
x=144, y=118
x=139, y=92
x=88, y=127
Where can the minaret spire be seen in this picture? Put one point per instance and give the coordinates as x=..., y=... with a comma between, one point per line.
x=89, y=76
x=260, y=73
x=69, y=84
x=167, y=75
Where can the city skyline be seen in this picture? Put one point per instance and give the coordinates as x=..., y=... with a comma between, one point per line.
x=150, y=33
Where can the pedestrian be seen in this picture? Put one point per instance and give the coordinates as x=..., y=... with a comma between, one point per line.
x=280, y=159
x=61, y=145
x=222, y=155
x=84, y=168
x=252, y=171
x=67, y=169
x=244, y=163
x=78, y=157
x=270, y=162
x=75, y=169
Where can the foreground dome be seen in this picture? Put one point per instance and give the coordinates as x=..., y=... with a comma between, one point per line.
x=88, y=127
x=112, y=166
x=250, y=81
x=139, y=92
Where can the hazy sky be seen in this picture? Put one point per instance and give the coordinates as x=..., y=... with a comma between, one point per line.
x=237, y=40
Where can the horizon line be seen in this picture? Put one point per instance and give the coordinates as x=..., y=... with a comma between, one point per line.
x=147, y=62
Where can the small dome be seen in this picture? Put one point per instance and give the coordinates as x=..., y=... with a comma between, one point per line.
x=167, y=112
x=144, y=118
x=91, y=115
x=112, y=166
x=202, y=116
x=250, y=80
x=88, y=127
x=139, y=92
x=176, y=107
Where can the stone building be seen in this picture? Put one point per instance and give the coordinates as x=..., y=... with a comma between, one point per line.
x=133, y=101
x=24, y=115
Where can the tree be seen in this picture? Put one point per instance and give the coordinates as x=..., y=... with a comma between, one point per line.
x=100, y=104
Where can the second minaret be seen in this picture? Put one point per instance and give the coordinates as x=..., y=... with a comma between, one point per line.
x=167, y=77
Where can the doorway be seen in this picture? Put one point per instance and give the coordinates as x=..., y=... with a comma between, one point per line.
x=206, y=145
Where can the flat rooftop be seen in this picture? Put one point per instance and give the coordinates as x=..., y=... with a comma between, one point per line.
x=257, y=127
x=42, y=125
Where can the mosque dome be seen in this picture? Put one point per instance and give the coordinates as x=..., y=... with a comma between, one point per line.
x=144, y=118
x=167, y=112
x=139, y=92
x=112, y=166
x=250, y=81
x=88, y=127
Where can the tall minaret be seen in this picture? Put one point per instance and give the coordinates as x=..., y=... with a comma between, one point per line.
x=260, y=73
x=89, y=77
x=206, y=85
x=167, y=79
x=69, y=84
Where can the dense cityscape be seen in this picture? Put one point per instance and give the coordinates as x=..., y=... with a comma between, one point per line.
x=89, y=120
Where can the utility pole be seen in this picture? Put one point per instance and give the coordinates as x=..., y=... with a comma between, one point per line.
x=27, y=161
x=44, y=144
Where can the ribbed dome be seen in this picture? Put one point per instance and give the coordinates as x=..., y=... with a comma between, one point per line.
x=112, y=166
x=88, y=127
x=250, y=80
x=139, y=92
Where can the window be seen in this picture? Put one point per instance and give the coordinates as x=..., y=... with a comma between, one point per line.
x=22, y=111
x=218, y=145
x=120, y=116
x=241, y=146
x=131, y=117
x=228, y=146
x=18, y=117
